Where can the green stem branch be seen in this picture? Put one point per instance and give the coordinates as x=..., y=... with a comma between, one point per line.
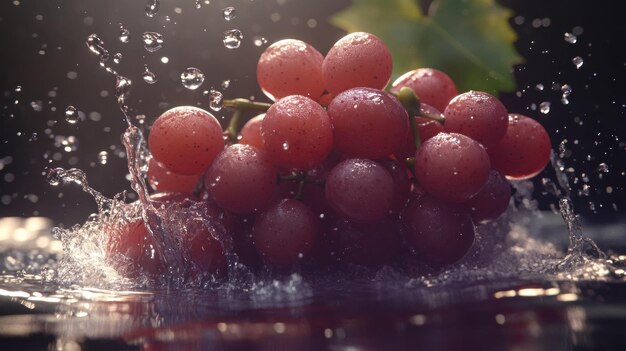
x=241, y=104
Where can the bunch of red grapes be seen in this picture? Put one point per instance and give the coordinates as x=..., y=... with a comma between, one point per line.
x=338, y=169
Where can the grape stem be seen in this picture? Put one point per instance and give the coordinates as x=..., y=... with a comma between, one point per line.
x=233, y=126
x=410, y=164
x=412, y=105
x=241, y=104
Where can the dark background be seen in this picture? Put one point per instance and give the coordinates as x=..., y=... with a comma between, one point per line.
x=43, y=41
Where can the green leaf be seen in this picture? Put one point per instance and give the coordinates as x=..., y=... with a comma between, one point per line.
x=470, y=40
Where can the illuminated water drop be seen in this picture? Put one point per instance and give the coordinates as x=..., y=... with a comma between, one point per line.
x=117, y=58
x=216, y=100
x=148, y=76
x=232, y=38
x=103, y=157
x=152, y=7
x=544, y=107
x=258, y=41
x=602, y=168
x=570, y=38
x=124, y=35
x=152, y=41
x=229, y=13
x=225, y=84
x=71, y=115
x=192, y=78
x=578, y=61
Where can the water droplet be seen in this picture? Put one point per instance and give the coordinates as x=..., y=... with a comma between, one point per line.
x=258, y=41
x=148, y=76
x=95, y=44
x=124, y=35
x=602, y=168
x=539, y=87
x=122, y=89
x=34, y=137
x=71, y=115
x=152, y=7
x=570, y=38
x=18, y=88
x=215, y=100
x=285, y=146
x=192, y=78
x=566, y=90
x=152, y=41
x=229, y=13
x=140, y=119
x=198, y=4
x=577, y=61
x=103, y=157
x=117, y=58
x=232, y=38
x=37, y=105
x=544, y=107
x=225, y=84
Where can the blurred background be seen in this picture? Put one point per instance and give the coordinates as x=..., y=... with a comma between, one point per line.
x=46, y=67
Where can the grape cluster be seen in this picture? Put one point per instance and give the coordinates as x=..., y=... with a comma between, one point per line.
x=339, y=170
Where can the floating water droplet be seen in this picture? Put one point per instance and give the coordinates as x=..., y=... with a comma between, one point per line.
x=225, y=84
x=124, y=35
x=152, y=7
x=570, y=38
x=117, y=58
x=34, y=137
x=152, y=41
x=216, y=100
x=148, y=76
x=140, y=119
x=37, y=105
x=18, y=88
x=258, y=41
x=285, y=146
x=232, y=38
x=539, y=87
x=54, y=176
x=71, y=115
x=578, y=61
x=198, y=4
x=96, y=45
x=103, y=157
x=566, y=90
x=122, y=89
x=192, y=78
x=544, y=107
x=602, y=168
x=229, y=13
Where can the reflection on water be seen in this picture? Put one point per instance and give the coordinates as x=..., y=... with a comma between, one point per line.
x=386, y=309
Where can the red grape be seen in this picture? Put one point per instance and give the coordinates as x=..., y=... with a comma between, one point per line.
x=452, y=167
x=285, y=233
x=297, y=133
x=492, y=200
x=439, y=233
x=432, y=86
x=361, y=190
x=241, y=179
x=205, y=251
x=162, y=180
x=370, y=244
x=368, y=123
x=478, y=115
x=186, y=139
x=401, y=182
x=525, y=149
x=357, y=60
x=250, y=133
x=290, y=67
